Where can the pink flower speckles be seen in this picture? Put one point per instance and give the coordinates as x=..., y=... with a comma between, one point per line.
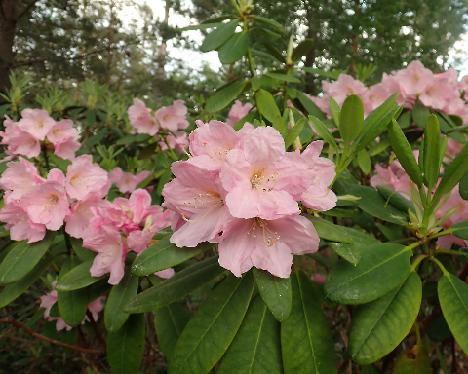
x=240, y=190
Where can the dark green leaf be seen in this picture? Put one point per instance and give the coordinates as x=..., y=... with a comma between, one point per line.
x=169, y=323
x=22, y=258
x=335, y=111
x=389, y=263
x=420, y=114
x=453, y=297
x=306, y=341
x=351, y=118
x=364, y=161
x=219, y=36
x=119, y=296
x=404, y=153
x=461, y=230
x=309, y=105
x=267, y=107
x=322, y=130
x=395, y=199
x=283, y=77
x=378, y=327
x=76, y=278
x=341, y=234
x=256, y=347
x=163, y=255
x=431, y=149
x=275, y=292
x=125, y=347
x=235, y=48
x=463, y=187
x=294, y=132
x=348, y=251
x=207, y=336
x=176, y=288
x=224, y=96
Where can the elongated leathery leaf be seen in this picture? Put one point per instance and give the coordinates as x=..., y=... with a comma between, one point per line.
x=306, y=341
x=387, y=262
x=453, y=297
x=256, y=347
x=275, y=292
x=22, y=258
x=378, y=327
x=207, y=336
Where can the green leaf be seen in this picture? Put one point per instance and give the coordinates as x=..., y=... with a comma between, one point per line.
x=389, y=263
x=431, y=149
x=348, y=251
x=420, y=114
x=461, y=230
x=394, y=198
x=380, y=326
x=275, y=292
x=207, y=336
x=463, y=187
x=235, y=48
x=322, y=130
x=341, y=234
x=364, y=161
x=125, y=346
x=256, y=347
x=351, y=118
x=22, y=258
x=119, y=296
x=169, y=323
x=176, y=288
x=294, y=132
x=283, y=77
x=76, y=278
x=224, y=96
x=219, y=36
x=72, y=305
x=163, y=255
x=404, y=153
x=309, y=105
x=453, y=297
x=12, y=291
x=306, y=340
x=83, y=254
x=453, y=173
x=376, y=122
x=267, y=107
x=335, y=111
x=416, y=361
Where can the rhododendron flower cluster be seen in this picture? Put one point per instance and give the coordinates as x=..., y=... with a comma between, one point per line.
x=170, y=119
x=34, y=204
x=50, y=299
x=241, y=189
x=36, y=127
x=237, y=112
x=440, y=91
x=125, y=181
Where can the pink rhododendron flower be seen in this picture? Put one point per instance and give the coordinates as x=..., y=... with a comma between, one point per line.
x=165, y=274
x=19, y=178
x=65, y=138
x=141, y=118
x=95, y=307
x=393, y=177
x=415, y=78
x=18, y=141
x=85, y=178
x=20, y=225
x=177, y=141
x=251, y=177
x=37, y=122
x=267, y=245
x=453, y=147
x=81, y=212
x=237, y=112
x=173, y=117
x=343, y=87
x=197, y=195
x=127, y=182
x=47, y=204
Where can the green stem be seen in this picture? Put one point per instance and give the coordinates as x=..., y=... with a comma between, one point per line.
x=417, y=261
x=440, y=265
x=452, y=252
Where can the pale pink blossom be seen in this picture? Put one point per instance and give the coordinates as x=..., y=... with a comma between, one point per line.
x=415, y=78
x=65, y=138
x=18, y=141
x=173, y=117
x=343, y=87
x=252, y=178
x=177, y=141
x=453, y=147
x=85, y=178
x=19, y=178
x=165, y=274
x=125, y=181
x=393, y=177
x=47, y=204
x=267, y=245
x=19, y=224
x=37, y=122
x=81, y=212
x=142, y=119
x=95, y=307
x=237, y=112
x=197, y=195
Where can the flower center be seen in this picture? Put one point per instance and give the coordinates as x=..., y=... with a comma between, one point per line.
x=262, y=181
x=204, y=200
x=260, y=226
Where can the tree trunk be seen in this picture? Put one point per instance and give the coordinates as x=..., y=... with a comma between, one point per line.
x=8, y=20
